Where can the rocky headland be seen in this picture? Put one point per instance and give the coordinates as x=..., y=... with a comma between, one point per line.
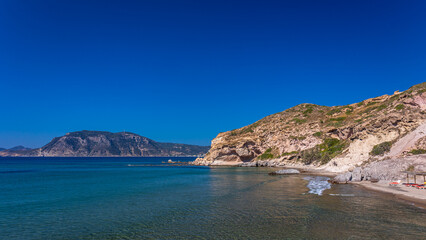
x=376, y=138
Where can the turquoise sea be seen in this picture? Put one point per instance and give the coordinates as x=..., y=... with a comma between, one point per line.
x=143, y=198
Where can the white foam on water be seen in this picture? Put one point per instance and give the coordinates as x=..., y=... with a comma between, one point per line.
x=342, y=195
x=318, y=184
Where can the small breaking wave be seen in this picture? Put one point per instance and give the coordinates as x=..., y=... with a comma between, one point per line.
x=318, y=184
x=342, y=195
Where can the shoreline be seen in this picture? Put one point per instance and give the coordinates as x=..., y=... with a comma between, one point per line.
x=303, y=170
x=311, y=171
x=409, y=195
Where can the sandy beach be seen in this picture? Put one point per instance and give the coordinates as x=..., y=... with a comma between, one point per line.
x=400, y=191
x=410, y=194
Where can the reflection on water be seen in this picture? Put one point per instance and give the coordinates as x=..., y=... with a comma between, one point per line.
x=105, y=199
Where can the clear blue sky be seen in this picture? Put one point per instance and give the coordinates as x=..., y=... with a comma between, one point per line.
x=183, y=71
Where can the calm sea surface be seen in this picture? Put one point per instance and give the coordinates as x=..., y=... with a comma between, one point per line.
x=143, y=198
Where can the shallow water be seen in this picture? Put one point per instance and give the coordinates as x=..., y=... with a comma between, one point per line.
x=105, y=198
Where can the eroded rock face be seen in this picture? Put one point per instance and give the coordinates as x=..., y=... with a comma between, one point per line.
x=421, y=143
x=283, y=138
x=417, y=101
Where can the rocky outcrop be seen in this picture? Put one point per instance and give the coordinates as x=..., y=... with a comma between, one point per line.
x=97, y=144
x=390, y=169
x=285, y=172
x=330, y=138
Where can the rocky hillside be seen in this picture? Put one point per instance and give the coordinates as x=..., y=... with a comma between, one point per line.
x=97, y=143
x=332, y=138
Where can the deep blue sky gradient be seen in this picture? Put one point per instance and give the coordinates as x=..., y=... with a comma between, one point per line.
x=183, y=71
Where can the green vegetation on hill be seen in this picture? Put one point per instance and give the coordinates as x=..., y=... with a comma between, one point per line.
x=324, y=152
x=339, y=119
x=317, y=134
x=334, y=111
x=289, y=153
x=299, y=121
x=381, y=148
x=349, y=110
x=418, y=151
x=267, y=155
x=248, y=129
x=399, y=107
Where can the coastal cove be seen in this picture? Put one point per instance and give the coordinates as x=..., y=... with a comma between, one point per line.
x=408, y=195
x=135, y=198
x=205, y=120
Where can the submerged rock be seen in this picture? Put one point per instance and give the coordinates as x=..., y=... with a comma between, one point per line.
x=285, y=172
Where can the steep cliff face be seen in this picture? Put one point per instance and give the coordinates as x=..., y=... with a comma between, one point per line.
x=334, y=138
x=97, y=143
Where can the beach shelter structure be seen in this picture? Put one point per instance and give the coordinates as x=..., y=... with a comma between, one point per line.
x=415, y=174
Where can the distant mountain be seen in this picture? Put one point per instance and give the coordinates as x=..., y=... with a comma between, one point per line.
x=19, y=148
x=16, y=151
x=99, y=144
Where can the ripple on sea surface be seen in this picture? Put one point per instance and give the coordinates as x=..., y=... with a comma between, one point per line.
x=80, y=201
